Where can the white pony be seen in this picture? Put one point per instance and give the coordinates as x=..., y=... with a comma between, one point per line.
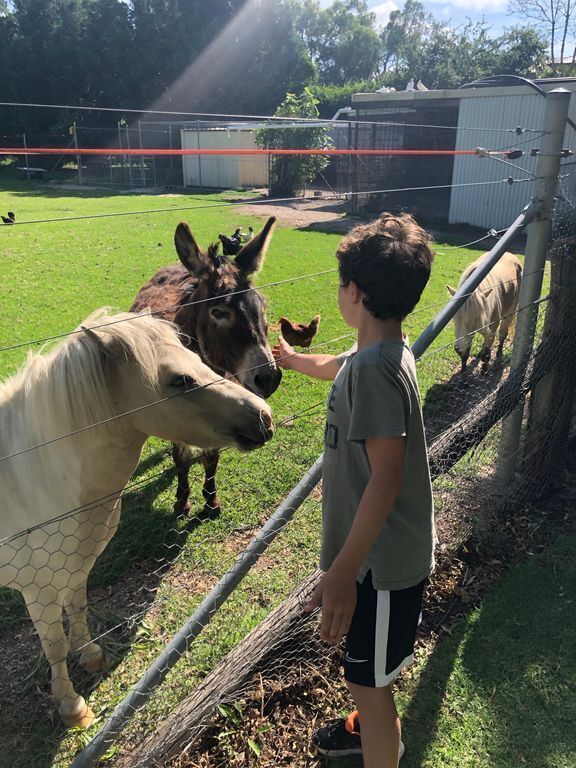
x=72, y=426
x=493, y=303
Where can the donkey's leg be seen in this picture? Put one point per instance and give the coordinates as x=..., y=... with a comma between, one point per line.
x=76, y=606
x=45, y=609
x=182, y=456
x=210, y=461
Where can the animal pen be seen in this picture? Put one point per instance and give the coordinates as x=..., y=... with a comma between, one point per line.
x=495, y=442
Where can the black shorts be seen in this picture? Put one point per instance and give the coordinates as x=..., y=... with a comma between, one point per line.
x=380, y=641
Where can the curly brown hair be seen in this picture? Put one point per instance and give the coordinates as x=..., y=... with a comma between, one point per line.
x=390, y=261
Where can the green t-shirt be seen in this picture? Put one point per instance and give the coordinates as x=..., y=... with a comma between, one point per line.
x=375, y=394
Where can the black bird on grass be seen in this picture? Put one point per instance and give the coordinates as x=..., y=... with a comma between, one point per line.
x=11, y=218
x=231, y=245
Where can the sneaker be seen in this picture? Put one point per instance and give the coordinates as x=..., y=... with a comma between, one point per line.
x=341, y=738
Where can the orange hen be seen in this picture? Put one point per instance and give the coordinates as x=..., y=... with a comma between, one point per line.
x=299, y=334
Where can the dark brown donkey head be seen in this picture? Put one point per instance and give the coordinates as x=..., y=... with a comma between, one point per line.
x=221, y=316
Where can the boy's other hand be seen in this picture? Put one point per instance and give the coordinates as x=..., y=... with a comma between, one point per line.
x=336, y=595
x=283, y=352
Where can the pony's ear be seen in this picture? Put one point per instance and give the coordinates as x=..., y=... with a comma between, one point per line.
x=451, y=291
x=250, y=258
x=487, y=292
x=188, y=250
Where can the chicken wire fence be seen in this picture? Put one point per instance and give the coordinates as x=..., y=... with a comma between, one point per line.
x=221, y=703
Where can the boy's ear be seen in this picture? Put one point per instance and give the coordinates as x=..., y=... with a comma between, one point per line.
x=451, y=291
x=356, y=292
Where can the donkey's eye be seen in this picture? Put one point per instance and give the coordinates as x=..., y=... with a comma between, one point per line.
x=220, y=314
x=182, y=381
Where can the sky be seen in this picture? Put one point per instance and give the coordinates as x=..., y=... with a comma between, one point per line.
x=495, y=12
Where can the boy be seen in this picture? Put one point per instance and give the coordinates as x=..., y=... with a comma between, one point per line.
x=378, y=529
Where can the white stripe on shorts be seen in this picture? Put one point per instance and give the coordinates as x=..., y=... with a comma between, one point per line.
x=381, y=678
x=381, y=644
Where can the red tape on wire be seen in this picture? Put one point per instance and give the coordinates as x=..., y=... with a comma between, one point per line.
x=148, y=151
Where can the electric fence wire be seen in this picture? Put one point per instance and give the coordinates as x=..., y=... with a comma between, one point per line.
x=306, y=121
x=262, y=201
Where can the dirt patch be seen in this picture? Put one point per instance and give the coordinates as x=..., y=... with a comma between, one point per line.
x=316, y=213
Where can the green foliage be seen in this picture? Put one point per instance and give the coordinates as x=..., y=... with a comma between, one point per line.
x=223, y=56
x=291, y=172
x=332, y=97
x=341, y=39
x=414, y=44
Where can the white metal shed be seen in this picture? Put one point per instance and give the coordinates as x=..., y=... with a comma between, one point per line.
x=223, y=171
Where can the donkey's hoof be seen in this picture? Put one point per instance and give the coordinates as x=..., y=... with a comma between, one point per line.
x=211, y=511
x=80, y=717
x=92, y=658
x=182, y=509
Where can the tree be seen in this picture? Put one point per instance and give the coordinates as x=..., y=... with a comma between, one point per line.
x=522, y=51
x=555, y=17
x=288, y=173
x=341, y=40
x=249, y=63
x=403, y=38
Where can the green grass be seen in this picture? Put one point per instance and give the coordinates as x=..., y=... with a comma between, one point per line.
x=501, y=692
x=53, y=276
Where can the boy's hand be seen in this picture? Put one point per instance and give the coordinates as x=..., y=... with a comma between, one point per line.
x=336, y=595
x=283, y=352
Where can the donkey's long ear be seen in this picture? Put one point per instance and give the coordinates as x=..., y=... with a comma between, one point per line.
x=188, y=250
x=250, y=258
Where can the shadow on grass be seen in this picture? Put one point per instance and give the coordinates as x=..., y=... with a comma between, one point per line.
x=521, y=658
x=510, y=669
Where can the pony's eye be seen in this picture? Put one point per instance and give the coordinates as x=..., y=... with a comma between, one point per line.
x=182, y=381
x=220, y=314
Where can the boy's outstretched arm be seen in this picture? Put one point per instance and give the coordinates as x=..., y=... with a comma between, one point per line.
x=336, y=593
x=323, y=367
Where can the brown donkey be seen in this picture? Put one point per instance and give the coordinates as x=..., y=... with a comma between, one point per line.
x=221, y=318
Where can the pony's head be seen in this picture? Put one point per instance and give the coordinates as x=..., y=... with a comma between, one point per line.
x=160, y=388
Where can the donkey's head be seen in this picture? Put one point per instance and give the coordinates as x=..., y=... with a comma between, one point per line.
x=223, y=316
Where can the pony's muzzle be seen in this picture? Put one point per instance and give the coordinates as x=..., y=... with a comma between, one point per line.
x=267, y=424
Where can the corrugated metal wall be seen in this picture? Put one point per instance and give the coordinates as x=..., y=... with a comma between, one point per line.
x=222, y=171
x=497, y=205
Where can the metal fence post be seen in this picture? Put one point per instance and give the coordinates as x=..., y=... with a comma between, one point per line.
x=538, y=234
x=78, y=156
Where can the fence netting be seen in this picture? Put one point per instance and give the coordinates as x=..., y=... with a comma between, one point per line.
x=250, y=689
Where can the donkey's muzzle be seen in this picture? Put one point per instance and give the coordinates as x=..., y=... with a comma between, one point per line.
x=268, y=381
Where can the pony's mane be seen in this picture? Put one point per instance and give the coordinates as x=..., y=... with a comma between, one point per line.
x=69, y=387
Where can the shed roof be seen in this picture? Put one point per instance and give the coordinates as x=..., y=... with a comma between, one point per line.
x=362, y=101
